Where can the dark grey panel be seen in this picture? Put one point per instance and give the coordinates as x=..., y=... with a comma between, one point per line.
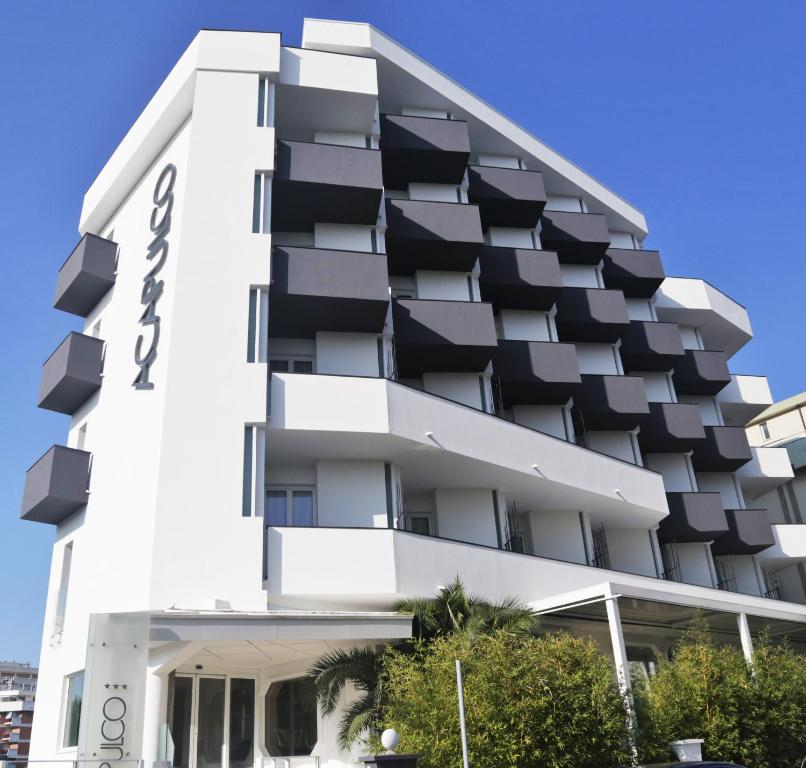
x=651, y=346
x=324, y=183
x=749, y=532
x=724, y=449
x=56, y=486
x=611, y=402
x=693, y=517
x=71, y=374
x=507, y=197
x=86, y=276
x=636, y=272
x=519, y=278
x=591, y=314
x=425, y=149
x=671, y=428
x=315, y=289
x=442, y=336
x=536, y=372
x=426, y=235
x=701, y=372
x=578, y=238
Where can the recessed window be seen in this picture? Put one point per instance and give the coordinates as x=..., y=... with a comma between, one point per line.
x=419, y=524
x=290, y=506
x=72, y=709
x=64, y=583
x=765, y=430
x=290, y=365
x=291, y=718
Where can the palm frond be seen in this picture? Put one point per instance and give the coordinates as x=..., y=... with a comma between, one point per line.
x=333, y=671
x=357, y=721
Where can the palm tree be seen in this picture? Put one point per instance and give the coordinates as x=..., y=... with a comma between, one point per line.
x=452, y=610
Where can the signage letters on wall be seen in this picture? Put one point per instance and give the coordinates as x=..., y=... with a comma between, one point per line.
x=157, y=254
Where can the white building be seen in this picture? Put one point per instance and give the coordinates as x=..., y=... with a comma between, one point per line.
x=350, y=332
x=17, y=695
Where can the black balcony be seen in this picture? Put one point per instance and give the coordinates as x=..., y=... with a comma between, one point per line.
x=442, y=336
x=638, y=273
x=324, y=183
x=425, y=149
x=671, y=428
x=314, y=289
x=507, y=197
x=591, y=314
x=56, y=486
x=578, y=238
x=71, y=374
x=518, y=278
x=86, y=276
x=424, y=235
x=701, y=372
x=724, y=449
x=693, y=517
x=749, y=532
x=536, y=372
x=651, y=346
x=611, y=402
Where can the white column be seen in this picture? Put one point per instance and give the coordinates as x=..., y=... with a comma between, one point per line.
x=156, y=693
x=746, y=638
x=617, y=641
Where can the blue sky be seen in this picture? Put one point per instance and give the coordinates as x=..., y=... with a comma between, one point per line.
x=693, y=111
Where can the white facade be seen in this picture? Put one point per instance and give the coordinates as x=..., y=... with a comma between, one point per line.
x=300, y=463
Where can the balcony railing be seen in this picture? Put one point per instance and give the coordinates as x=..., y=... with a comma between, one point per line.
x=725, y=449
x=536, y=372
x=56, y=486
x=651, y=346
x=519, y=278
x=578, y=238
x=591, y=314
x=507, y=197
x=71, y=374
x=86, y=276
x=701, y=372
x=671, y=428
x=612, y=402
x=636, y=272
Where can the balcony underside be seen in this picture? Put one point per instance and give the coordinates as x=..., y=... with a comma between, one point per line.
x=749, y=532
x=767, y=469
x=442, y=444
x=671, y=428
x=693, y=517
x=301, y=317
x=519, y=278
x=536, y=372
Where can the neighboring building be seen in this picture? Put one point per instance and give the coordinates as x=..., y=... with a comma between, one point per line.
x=17, y=694
x=782, y=427
x=347, y=333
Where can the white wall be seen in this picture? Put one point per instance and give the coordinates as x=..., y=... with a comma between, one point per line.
x=621, y=240
x=461, y=387
x=597, y=358
x=544, y=418
x=639, y=309
x=630, y=550
x=343, y=138
x=351, y=493
x=558, y=535
x=694, y=563
x=524, y=325
x=563, y=203
x=619, y=445
x=659, y=388
x=466, y=514
x=709, y=411
x=499, y=161
x=438, y=193
x=580, y=276
x=690, y=337
x=343, y=237
x=511, y=237
x=675, y=470
x=347, y=354
x=722, y=483
x=448, y=286
x=744, y=570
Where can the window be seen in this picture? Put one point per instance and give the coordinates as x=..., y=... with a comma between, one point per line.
x=265, y=103
x=291, y=715
x=261, y=203
x=290, y=506
x=419, y=523
x=765, y=430
x=64, y=582
x=72, y=709
x=258, y=325
x=290, y=365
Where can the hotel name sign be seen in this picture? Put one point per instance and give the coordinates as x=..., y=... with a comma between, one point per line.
x=145, y=348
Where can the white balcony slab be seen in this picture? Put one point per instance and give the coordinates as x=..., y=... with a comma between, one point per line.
x=442, y=444
x=724, y=323
x=744, y=399
x=769, y=468
x=789, y=547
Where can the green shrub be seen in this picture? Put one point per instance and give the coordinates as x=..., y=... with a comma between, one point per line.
x=707, y=691
x=540, y=702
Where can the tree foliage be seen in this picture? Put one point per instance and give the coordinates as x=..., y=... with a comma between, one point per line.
x=754, y=717
x=546, y=702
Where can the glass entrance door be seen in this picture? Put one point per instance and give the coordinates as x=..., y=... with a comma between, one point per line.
x=213, y=721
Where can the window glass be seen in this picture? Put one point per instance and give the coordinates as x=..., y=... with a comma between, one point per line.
x=302, y=507
x=241, y=723
x=72, y=712
x=765, y=430
x=291, y=718
x=281, y=366
x=276, y=508
x=303, y=366
x=420, y=524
